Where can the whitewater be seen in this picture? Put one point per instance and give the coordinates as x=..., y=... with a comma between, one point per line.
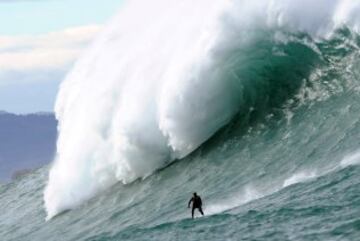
x=252, y=104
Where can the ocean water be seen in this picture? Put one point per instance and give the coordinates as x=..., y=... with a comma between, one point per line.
x=257, y=113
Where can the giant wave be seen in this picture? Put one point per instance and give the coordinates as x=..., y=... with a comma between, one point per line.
x=166, y=75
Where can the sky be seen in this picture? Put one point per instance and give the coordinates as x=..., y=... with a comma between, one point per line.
x=39, y=42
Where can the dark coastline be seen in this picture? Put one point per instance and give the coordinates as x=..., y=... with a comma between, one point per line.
x=27, y=141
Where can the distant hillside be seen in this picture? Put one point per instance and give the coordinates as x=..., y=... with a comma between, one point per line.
x=26, y=142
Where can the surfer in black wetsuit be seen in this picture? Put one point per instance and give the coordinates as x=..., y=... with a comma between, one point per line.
x=196, y=203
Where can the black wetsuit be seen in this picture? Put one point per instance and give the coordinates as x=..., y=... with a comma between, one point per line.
x=196, y=203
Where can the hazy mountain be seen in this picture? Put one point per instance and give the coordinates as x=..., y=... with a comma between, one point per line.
x=26, y=142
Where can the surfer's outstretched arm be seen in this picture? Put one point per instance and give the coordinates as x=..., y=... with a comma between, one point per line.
x=190, y=202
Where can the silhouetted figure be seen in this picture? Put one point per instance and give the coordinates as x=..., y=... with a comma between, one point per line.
x=196, y=203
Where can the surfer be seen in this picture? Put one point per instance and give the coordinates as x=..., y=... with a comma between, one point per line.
x=196, y=203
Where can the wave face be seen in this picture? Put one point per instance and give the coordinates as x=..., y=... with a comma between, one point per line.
x=165, y=76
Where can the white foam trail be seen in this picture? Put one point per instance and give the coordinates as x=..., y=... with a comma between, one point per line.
x=249, y=194
x=351, y=160
x=152, y=87
x=300, y=177
x=305, y=176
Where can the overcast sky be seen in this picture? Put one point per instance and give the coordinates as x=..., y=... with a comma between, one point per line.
x=39, y=42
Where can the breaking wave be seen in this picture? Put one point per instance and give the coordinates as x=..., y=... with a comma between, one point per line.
x=166, y=75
